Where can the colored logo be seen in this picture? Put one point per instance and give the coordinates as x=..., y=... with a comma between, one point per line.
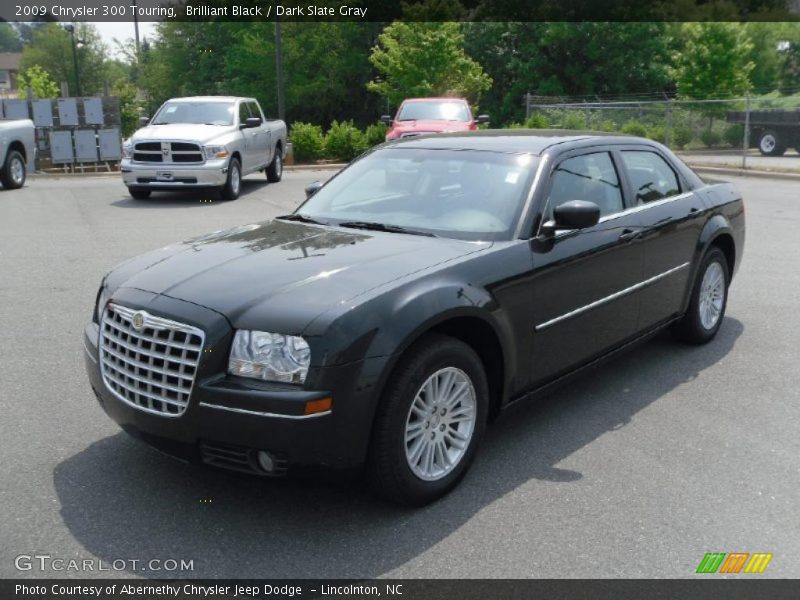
x=734, y=562
x=138, y=320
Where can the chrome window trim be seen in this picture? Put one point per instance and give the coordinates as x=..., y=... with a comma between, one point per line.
x=629, y=211
x=258, y=413
x=610, y=298
x=155, y=322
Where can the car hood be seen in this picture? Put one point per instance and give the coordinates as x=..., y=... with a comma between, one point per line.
x=181, y=131
x=280, y=275
x=435, y=125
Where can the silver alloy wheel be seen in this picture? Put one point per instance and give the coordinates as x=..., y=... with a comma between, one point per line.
x=17, y=170
x=278, y=165
x=768, y=143
x=712, y=295
x=440, y=424
x=236, y=179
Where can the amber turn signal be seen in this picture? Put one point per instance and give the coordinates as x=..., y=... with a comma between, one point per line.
x=318, y=406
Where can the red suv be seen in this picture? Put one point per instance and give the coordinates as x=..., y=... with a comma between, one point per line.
x=418, y=116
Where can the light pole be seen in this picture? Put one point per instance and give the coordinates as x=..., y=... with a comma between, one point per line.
x=71, y=29
x=279, y=69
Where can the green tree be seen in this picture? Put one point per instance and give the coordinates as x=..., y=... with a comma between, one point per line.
x=425, y=59
x=40, y=83
x=714, y=61
x=9, y=38
x=568, y=59
x=51, y=48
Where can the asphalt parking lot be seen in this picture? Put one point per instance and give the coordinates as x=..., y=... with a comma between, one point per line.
x=637, y=470
x=789, y=162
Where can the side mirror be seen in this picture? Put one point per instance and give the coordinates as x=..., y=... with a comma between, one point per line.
x=386, y=119
x=251, y=122
x=482, y=119
x=313, y=188
x=143, y=121
x=575, y=214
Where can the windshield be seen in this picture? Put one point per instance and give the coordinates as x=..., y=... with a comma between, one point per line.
x=433, y=110
x=464, y=194
x=197, y=113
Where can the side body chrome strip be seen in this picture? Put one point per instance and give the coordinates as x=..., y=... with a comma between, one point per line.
x=257, y=413
x=607, y=299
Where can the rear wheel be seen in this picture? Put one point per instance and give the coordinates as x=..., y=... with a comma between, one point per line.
x=771, y=144
x=233, y=185
x=430, y=422
x=709, y=299
x=275, y=168
x=13, y=173
x=138, y=193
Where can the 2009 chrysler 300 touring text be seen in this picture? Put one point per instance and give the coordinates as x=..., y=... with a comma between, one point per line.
x=425, y=287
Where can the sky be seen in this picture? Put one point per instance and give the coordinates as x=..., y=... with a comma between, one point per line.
x=122, y=31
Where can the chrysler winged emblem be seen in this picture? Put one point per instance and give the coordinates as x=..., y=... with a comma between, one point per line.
x=138, y=320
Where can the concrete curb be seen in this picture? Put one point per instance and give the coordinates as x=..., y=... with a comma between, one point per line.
x=325, y=167
x=713, y=170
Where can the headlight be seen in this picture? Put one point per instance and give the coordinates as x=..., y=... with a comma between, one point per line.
x=127, y=149
x=215, y=152
x=269, y=356
x=102, y=299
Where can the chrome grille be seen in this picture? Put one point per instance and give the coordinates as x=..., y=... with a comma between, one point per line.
x=149, y=362
x=167, y=152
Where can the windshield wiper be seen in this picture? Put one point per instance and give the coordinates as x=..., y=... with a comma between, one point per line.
x=383, y=227
x=300, y=218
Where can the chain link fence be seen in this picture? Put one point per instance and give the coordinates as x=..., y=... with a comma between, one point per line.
x=747, y=126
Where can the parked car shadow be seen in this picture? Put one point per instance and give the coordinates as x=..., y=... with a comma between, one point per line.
x=182, y=199
x=120, y=499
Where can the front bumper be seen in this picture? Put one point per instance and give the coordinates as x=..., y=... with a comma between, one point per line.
x=170, y=176
x=229, y=414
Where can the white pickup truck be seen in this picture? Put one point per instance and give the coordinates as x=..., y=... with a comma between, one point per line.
x=203, y=142
x=17, y=150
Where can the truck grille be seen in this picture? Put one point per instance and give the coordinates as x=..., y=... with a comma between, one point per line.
x=149, y=362
x=167, y=152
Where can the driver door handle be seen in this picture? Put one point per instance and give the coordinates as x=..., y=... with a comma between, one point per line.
x=629, y=235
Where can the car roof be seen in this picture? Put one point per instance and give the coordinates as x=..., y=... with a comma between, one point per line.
x=209, y=99
x=436, y=98
x=515, y=141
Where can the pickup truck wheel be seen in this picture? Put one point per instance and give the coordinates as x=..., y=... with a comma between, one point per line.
x=771, y=144
x=429, y=423
x=233, y=186
x=138, y=193
x=709, y=299
x=13, y=173
x=275, y=168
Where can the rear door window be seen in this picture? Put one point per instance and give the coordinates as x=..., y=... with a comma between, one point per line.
x=651, y=177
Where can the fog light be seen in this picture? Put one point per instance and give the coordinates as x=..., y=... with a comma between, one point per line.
x=265, y=461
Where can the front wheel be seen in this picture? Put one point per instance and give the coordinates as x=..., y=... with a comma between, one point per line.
x=275, y=168
x=233, y=185
x=709, y=299
x=138, y=193
x=430, y=422
x=13, y=172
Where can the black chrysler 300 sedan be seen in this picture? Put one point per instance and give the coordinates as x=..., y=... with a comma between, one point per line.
x=428, y=285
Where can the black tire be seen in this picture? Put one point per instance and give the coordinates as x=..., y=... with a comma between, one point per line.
x=388, y=470
x=14, y=172
x=771, y=143
x=138, y=193
x=275, y=168
x=233, y=185
x=691, y=328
